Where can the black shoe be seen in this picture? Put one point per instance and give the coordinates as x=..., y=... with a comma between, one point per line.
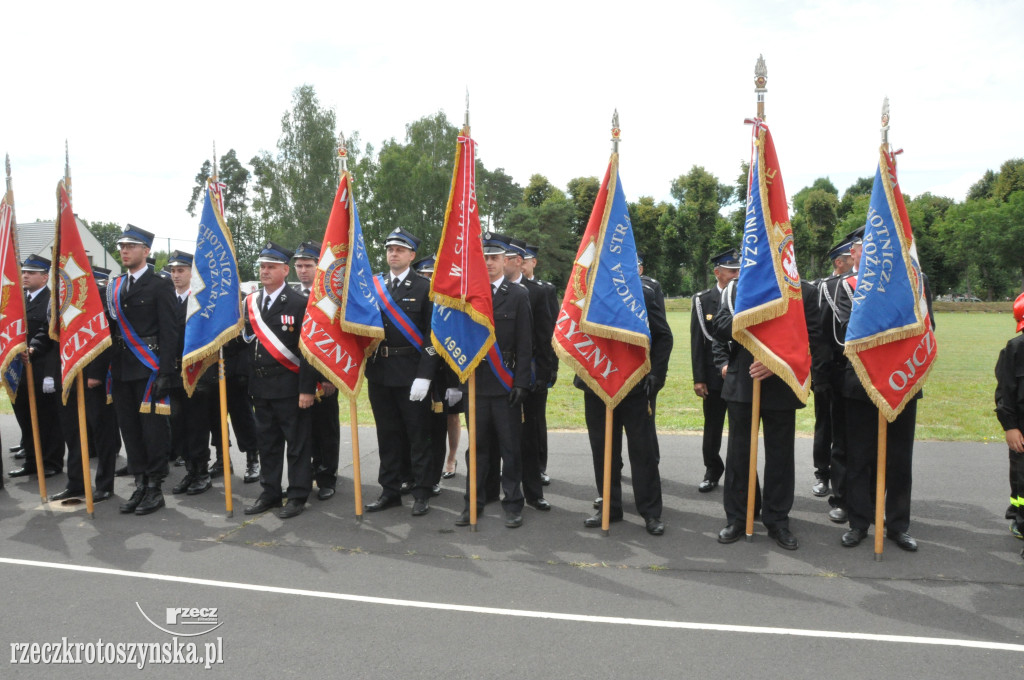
x=406, y=488
x=785, y=538
x=435, y=490
x=51, y=473
x=1011, y=510
x=513, y=519
x=731, y=533
x=184, y=484
x=420, y=508
x=292, y=508
x=129, y=506
x=66, y=494
x=200, y=484
x=20, y=472
x=16, y=448
x=853, y=537
x=463, y=519
x=655, y=527
x=544, y=479
x=594, y=521
x=838, y=515
x=101, y=496
x=903, y=540
x=217, y=468
x=152, y=501
x=178, y=462
x=383, y=503
x=707, y=485
x=262, y=504
x=252, y=468
x=597, y=503
x=20, y=454
x=540, y=504
x=325, y=492
x=121, y=471
x=820, y=488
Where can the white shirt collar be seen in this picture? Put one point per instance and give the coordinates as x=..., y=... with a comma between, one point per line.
x=497, y=282
x=400, y=276
x=272, y=296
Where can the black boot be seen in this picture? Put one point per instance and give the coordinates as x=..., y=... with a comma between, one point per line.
x=152, y=500
x=201, y=481
x=217, y=467
x=132, y=503
x=187, y=480
x=252, y=467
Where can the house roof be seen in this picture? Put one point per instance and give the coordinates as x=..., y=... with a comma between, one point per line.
x=37, y=238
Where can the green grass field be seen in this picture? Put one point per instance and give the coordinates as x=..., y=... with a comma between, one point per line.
x=957, y=405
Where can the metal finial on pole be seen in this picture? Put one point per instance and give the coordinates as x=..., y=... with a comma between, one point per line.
x=465, y=123
x=342, y=153
x=67, y=168
x=616, y=132
x=10, y=188
x=885, y=120
x=760, y=80
x=214, y=173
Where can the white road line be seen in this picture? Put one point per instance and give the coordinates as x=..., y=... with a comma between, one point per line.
x=523, y=613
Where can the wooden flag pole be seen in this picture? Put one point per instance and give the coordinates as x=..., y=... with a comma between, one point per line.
x=606, y=487
x=357, y=478
x=755, y=423
x=472, y=452
x=883, y=432
x=40, y=472
x=84, y=442
x=224, y=443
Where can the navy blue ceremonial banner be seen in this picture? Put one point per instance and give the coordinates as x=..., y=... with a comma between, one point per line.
x=214, y=314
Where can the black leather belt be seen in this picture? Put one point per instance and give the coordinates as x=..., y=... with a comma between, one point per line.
x=267, y=371
x=385, y=351
x=151, y=341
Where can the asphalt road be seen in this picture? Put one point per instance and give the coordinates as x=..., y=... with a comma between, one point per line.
x=420, y=598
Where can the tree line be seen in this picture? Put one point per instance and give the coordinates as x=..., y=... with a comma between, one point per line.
x=286, y=195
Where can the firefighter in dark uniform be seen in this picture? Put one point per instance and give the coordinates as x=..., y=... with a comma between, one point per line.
x=636, y=416
x=190, y=416
x=398, y=377
x=145, y=329
x=101, y=424
x=281, y=384
x=778, y=416
x=326, y=420
x=861, y=417
x=42, y=352
x=541, y=416
x=829, y=388
x=243, y=422
x=1009, y=397
x=544, y=361
x=499, y=410
x=707, y=379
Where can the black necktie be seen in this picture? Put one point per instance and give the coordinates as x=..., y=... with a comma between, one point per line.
x=128, y=284
x=266, y=303
x=394, y=283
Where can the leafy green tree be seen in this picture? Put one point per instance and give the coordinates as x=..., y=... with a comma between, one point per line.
x=983, y=187
x=549, y=226
x=497, y=195
x=814, y=219
x=688, y=237
x=107, y=234
x=862, y=187
x=646, y=216
x=1010, y=179
x=583, y=193
x=538, y=190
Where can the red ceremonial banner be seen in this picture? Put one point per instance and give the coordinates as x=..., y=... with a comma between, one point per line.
x=336, y=354
x=12, y=302
x=608, y=366
x=78, y=322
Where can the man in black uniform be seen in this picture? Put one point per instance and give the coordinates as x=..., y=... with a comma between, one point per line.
x=535, y=405
x=282, y=385
x=398, y=378
x=499, y=410
x=243, y=422
x=833, y=335
x=190, y=416
x=778, y=415
x=635, y=414
x=42, y=352
x=551, y=293
x=326, y=420
x=146, y=344
x=707, y=379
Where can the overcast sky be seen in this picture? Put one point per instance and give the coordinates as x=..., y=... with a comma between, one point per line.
x=141, y=90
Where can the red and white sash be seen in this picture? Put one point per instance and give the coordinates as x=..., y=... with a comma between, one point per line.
x=277, y=349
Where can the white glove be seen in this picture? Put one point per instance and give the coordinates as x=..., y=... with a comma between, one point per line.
x=453, y=395
x=419, y=389
x=48, y=387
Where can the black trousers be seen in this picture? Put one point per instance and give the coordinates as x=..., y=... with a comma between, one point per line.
x=240, y=412
x=838, y=464
x=1017, y=482
x=147, y=436
x=862, y=450
x=822, y=450
x=779, y=472
x=634, y=415
x=714, y=420
x=104, y=436
x=438, y=443
x=50, y=440
x=191, y=423
x=535, y=436
x=280, y=422
x=403, y=429
x=102, y=447
x=499, y=427
x=326, y=441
